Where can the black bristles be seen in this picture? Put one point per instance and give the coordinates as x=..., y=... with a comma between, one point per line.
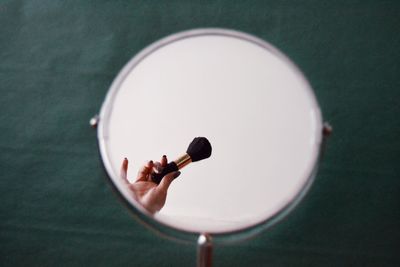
x=199, y=148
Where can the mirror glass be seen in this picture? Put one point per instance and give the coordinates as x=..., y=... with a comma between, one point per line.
x=253, y=105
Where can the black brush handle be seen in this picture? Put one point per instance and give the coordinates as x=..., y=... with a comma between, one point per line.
x=171, y=167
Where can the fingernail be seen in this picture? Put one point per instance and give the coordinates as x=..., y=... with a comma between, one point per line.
x=164, y=156
x=176, y=175
x=125, y=159
x=150, y=162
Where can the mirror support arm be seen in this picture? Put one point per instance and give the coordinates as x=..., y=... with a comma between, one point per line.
x=204, y=251
x=326, y=132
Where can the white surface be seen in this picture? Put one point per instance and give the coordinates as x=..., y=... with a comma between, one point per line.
x=257, y=111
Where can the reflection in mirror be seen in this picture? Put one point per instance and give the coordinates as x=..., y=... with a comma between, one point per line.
x=253, y=105
x=153, y=179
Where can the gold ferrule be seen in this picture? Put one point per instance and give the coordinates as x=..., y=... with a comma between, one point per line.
x=183, y=161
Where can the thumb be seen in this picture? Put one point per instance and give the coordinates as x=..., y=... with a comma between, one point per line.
x=167, y=180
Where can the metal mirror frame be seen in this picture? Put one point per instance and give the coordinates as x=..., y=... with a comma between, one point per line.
x=141, y=214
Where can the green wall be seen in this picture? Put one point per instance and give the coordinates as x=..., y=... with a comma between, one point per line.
x=57, y=60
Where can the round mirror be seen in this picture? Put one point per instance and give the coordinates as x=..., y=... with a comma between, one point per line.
x=250, y=101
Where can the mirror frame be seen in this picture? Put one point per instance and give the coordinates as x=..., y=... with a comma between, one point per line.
x=139, y=212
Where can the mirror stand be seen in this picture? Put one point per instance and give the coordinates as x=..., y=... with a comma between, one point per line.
x=216, y=63
x=204, y=251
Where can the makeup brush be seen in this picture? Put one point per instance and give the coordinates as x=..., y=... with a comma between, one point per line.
x=199, y=148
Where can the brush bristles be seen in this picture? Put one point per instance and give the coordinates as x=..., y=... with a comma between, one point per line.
x=199, y=148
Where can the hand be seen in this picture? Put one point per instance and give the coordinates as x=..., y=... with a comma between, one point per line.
x=145, y=191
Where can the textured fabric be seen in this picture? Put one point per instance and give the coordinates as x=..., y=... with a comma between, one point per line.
x=57, y=60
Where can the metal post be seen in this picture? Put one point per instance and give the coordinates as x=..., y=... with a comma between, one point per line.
x=204, y=251
x=327, y=129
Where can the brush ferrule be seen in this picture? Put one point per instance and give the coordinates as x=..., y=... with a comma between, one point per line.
x=183, y=161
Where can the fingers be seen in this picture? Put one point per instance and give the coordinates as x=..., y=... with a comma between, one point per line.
x=158, y=166
x=143, y=174
x=167, y=180
x=124, y=170
x=164, y=161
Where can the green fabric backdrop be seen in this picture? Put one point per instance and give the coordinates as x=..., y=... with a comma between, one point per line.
x=57, y=61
